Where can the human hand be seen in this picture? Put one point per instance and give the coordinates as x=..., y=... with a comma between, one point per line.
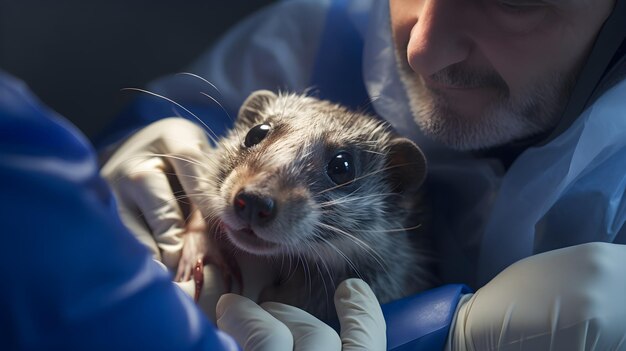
x=566, y=299
x=148, y=174
x=276, y=326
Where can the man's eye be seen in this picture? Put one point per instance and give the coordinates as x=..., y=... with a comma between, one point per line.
x=519, y=16
x=256, y=134
x=519, y=6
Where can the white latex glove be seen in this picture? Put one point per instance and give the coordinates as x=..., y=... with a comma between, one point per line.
x=568, y=299
x=277, y=327
x=140, y=174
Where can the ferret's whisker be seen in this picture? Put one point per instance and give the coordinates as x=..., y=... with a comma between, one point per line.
x=363, y=176
x=200, y=180
x=217, y=102
x=201, y=78
x=179, y=141
x=375, y=152
x=330, y=276
x=291, y=254
x=349, y=199
x=366, y=248
x=390, y=230
x=320, y=275
x=342, y=254
x=213, y=137
x=180, y=158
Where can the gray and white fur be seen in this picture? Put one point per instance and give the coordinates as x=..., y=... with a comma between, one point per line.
x=272, y=195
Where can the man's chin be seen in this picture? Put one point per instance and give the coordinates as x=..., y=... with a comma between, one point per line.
x=467, y=132
x=476, y=128
x=448, y=123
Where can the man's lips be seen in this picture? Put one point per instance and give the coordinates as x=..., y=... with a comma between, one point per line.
x=436, y=85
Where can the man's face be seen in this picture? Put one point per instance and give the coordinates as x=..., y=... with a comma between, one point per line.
x=481, y=73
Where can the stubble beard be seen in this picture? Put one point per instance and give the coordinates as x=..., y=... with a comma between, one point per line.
x=505, y=120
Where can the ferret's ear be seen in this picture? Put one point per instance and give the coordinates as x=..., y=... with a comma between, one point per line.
x=407, y=165
x=257, y=101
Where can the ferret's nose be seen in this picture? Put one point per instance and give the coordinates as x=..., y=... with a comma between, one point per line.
x=254, y=209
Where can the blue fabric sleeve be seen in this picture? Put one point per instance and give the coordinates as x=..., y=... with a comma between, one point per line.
x=338, y=72
x=422, y=322
x=73, y=277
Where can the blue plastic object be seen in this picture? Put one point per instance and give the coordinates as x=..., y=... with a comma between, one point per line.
x=422, y=322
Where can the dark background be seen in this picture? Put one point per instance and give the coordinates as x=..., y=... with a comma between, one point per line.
x=76, y=55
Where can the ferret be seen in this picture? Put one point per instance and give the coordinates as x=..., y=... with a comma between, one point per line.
x=320, y=193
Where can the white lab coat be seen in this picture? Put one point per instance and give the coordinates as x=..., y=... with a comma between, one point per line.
x=566, y=192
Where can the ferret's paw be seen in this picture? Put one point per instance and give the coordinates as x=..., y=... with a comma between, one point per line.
x=195, y=247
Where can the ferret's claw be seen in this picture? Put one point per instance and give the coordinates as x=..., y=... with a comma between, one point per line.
x=198, y=278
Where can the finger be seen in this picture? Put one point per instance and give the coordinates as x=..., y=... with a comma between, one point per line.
x=361, y=318
x=187, y=271
x=189, y=158
x=253, y=327
x=148, y=186
x=179, y=272
x=183, y=273
x=309, y=333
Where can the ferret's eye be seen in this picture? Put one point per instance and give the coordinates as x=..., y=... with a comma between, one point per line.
x=256, y=134
x=340, y=169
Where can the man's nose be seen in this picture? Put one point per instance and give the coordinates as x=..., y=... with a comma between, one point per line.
x=439, y=38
